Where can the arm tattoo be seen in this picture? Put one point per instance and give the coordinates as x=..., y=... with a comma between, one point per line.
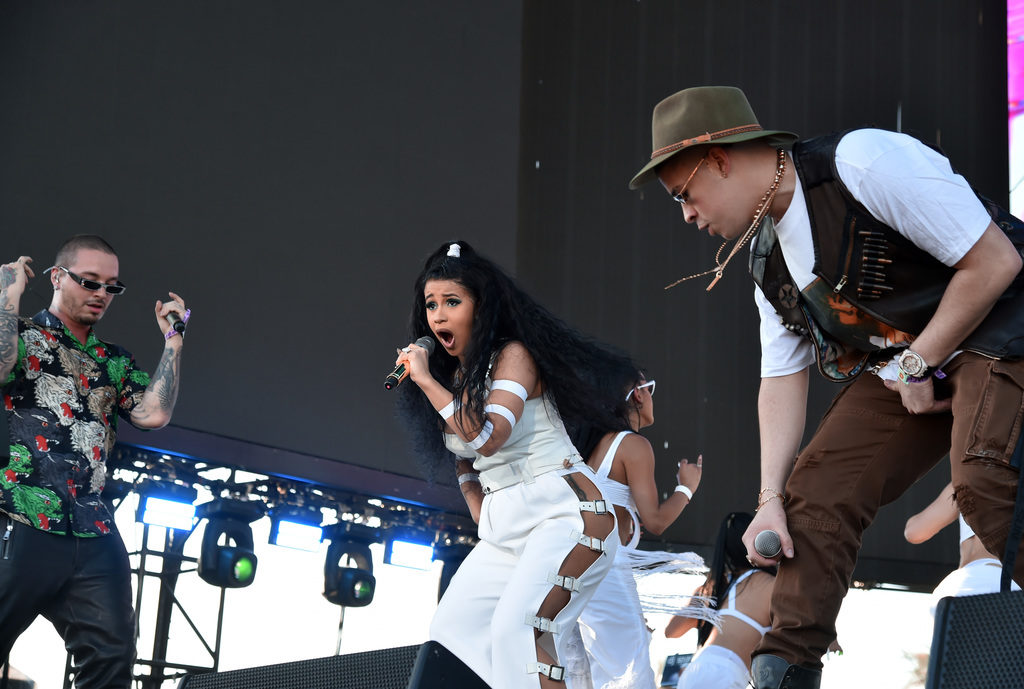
x=163, y=386
x=165, y=379
x=8, y=324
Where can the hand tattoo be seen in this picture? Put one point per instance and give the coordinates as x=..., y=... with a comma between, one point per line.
x=7, y=277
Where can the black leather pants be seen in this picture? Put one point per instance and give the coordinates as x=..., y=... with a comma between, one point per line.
x=82, y=586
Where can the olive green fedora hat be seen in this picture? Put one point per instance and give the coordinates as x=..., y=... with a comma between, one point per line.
x=703, y=115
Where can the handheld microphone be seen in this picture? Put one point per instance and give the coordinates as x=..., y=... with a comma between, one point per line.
x=401, y=372
x=176, y=323
x=768, y=544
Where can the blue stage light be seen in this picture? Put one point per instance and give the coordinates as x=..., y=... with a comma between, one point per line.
x=296, y=527
x=409, y=548
x=166, y=504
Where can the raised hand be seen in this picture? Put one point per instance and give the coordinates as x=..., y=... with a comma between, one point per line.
x=13, y=279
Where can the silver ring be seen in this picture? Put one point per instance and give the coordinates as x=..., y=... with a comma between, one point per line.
x=406, y=350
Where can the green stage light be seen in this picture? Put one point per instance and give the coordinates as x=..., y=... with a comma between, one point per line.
x=245, y=569
x=231, y=563
x=345, y=585
x=362, y=590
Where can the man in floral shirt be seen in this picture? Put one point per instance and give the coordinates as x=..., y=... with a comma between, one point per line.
x=63, y=389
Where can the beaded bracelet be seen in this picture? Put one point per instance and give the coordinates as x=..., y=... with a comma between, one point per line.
x=763, y=500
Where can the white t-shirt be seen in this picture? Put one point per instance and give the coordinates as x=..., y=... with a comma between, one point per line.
x=902, y=183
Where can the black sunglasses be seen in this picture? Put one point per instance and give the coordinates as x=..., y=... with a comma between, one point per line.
x=92, y=285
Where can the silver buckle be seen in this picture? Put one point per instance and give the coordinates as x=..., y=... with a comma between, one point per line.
x=571, y=584
x=592, y=542
x=595, y=506
x=555, y=672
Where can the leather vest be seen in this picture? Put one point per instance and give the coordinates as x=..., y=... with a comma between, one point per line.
x=872, y=268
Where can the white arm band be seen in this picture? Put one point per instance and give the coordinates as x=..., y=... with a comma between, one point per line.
x=448, y=411
x=510, y=386
x=685, y=490
x=469, y=477
x=503, y=411
x=485, y=435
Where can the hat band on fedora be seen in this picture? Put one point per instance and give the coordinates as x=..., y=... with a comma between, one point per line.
x=705, y=138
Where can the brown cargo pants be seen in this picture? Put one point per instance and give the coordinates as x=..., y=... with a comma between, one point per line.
x=866, y=452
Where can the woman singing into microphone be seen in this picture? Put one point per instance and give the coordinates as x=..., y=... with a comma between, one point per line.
x=499, y=392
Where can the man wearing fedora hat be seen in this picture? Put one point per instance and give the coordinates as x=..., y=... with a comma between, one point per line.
x=870, y=256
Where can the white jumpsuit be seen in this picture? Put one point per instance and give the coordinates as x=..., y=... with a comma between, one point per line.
x=530, y=520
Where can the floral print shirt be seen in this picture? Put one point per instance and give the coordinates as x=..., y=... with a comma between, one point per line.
x=62, y=400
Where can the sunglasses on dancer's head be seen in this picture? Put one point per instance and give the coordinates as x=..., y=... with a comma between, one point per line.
x=648, y=384
x=91, y=285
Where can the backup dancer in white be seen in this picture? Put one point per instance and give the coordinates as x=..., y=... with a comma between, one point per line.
x=979, y=571
x=743, y=594
x=612, y=625
x=497, y=394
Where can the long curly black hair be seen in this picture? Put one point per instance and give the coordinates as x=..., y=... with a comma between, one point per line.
x=728, y=562
x=619, y=382
x=575, y=369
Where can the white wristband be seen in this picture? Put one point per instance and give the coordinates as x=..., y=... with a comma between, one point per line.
x=469, y=477
x=685, y=491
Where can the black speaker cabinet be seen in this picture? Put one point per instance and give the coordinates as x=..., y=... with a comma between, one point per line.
x=978, y=642
x=384, y=669
x=426, y=666
x=437, y=668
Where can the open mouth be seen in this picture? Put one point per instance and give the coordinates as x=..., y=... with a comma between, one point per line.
x=446, y=337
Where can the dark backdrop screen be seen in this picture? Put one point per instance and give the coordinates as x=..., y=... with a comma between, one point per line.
x=285, y=167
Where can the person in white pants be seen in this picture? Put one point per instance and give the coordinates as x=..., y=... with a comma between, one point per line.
x=498, y=394
x=612, y=625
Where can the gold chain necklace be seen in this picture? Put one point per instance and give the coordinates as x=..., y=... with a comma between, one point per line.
x=759, y=213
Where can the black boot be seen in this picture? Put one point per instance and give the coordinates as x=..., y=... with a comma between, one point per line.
x=772, y=672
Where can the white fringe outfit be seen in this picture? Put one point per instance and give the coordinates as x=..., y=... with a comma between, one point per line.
x=612, y=625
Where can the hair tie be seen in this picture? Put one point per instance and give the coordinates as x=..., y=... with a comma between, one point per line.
x=455, y=250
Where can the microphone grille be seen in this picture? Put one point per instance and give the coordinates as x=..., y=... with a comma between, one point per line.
x=768, y=544
x=427, y=342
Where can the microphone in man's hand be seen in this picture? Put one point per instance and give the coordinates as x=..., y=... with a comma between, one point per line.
x=768, y=544
x=401, y=372
x=175, y=320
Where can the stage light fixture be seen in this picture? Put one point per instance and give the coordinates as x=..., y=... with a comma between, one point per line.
x=410, y=548
x=167, y=504
x=296, y=527
x=344, y=585
x=231, y=564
